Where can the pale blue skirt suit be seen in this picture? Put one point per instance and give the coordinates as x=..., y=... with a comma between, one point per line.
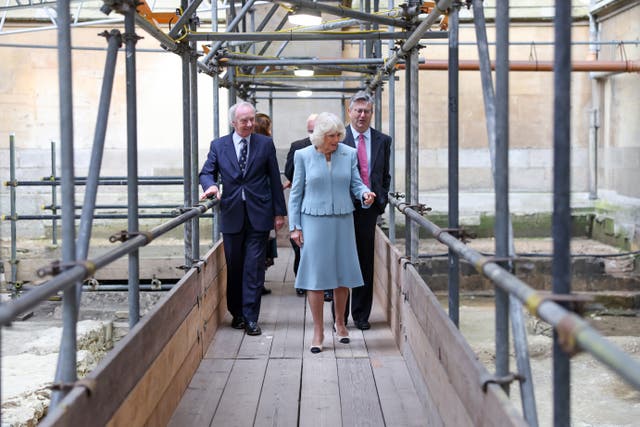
x=320, y=205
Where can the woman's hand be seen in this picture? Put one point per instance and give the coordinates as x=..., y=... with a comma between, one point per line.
x=369, y=197
x=296, y=236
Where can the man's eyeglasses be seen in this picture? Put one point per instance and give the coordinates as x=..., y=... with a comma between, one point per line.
x=362, y=111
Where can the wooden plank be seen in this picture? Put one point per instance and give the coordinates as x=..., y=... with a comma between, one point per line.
x=358, y=394
x=226, y=342
x=280, y=394
x=320, y=393
x=201, y=398
x=398, y=399
x=121, y=369
x=239, y=401
x=172, y=396
x=456, y=357
x=444, y=396
x=288, y=336
x=143, y=398
x=379, y=341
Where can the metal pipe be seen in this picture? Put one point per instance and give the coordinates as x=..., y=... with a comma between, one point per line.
x=12, y=203
x=231, y=27
x=124, y=288
x=350, y=13
x=392, y=133
x=594, y=113
x=579, y=334
x=165, y=41
x=114, y=40
x=193, y=155
x=501, y=183
x=576, y=66
x=414, y=143
x=453, y=162
x=130, y=39
x=414, y=38
x=84, y=269
x=54, y=196
x=66, y=368
x=236, y=60
x=159, y=206
x=97, y=216
x=184, y=18
x=245, y=78
x=101, y=181
x=215, y=226
x=561, y=222
x=294, y=36
x=408, y=165
x=186, y=153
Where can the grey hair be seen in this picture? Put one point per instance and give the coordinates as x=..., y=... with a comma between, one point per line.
x=361, y=96
x=234, y=107
x=326, y=123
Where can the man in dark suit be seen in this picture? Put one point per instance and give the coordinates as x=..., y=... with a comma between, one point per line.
x=374, y=149
x=288, y=173
x=251, y=204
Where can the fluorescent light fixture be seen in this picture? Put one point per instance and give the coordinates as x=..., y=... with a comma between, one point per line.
x=303, y=72
x=304, y=93
x=305, y=17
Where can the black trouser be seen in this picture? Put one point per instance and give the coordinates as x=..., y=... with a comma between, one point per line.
x=296, y=257
x=362, y=297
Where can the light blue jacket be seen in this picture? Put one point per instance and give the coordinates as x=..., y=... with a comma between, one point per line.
x=316, y=190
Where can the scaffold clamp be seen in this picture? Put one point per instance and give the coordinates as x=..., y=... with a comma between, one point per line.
x=506, y=379
x=88, y=384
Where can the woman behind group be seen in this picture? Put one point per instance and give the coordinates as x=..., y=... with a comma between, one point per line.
x=321, y=221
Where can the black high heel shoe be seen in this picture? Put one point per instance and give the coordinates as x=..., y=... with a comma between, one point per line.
x=315, y=349
x=344, y=339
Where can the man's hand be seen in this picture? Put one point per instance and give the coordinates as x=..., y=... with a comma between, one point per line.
x=210, y=192
x=278, y=222
x=369, y=198
x=296, y=236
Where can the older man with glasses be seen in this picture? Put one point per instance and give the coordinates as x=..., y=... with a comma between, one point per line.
x=374, y=149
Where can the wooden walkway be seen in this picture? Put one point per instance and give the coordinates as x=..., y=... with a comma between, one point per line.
x=274, y=380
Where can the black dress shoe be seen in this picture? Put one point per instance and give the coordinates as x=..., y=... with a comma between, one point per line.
x=237, y=323
x=363, y=325
x=252, y=328
x=265, y=291
x=328, y=296
x=299, y=292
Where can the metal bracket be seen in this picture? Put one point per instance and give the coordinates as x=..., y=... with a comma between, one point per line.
x=403, y=261
x=124, y=235
x=507, y=379
x=198, y=264
x=88, y=384
x=55, y=268
x=459, y=233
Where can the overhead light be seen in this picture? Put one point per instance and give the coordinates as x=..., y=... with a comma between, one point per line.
x=303, y=72
x=305, y=17
x=304, y=93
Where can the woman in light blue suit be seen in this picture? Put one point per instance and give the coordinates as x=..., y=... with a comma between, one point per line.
x=321, y=221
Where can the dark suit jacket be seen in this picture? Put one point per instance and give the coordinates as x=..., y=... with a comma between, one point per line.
x=261, y=183
x=296, y=145
x=379, y=176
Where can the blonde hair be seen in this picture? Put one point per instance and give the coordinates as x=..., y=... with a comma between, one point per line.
x=324, y=124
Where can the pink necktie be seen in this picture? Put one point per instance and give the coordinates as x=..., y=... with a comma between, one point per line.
x=362, y=160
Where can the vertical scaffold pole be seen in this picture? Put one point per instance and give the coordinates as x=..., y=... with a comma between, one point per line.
x=12, y=201
x=193, y=181
x=561, y=223
x=392, y=134
x=453, y=259
x=54, y=196
x=66, y=369
x=132, y=163
x=186, y=149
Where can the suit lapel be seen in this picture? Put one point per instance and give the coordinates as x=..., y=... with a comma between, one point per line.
x=229, y=151
x=348, y=137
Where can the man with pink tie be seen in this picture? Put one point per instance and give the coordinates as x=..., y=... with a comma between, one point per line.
x=373, y=148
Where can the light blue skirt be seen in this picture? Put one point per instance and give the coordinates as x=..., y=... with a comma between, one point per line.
x=328, y=257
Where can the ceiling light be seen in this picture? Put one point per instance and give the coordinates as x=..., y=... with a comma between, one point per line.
x=304, y=94
x=303, y=72
x=305, y=17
